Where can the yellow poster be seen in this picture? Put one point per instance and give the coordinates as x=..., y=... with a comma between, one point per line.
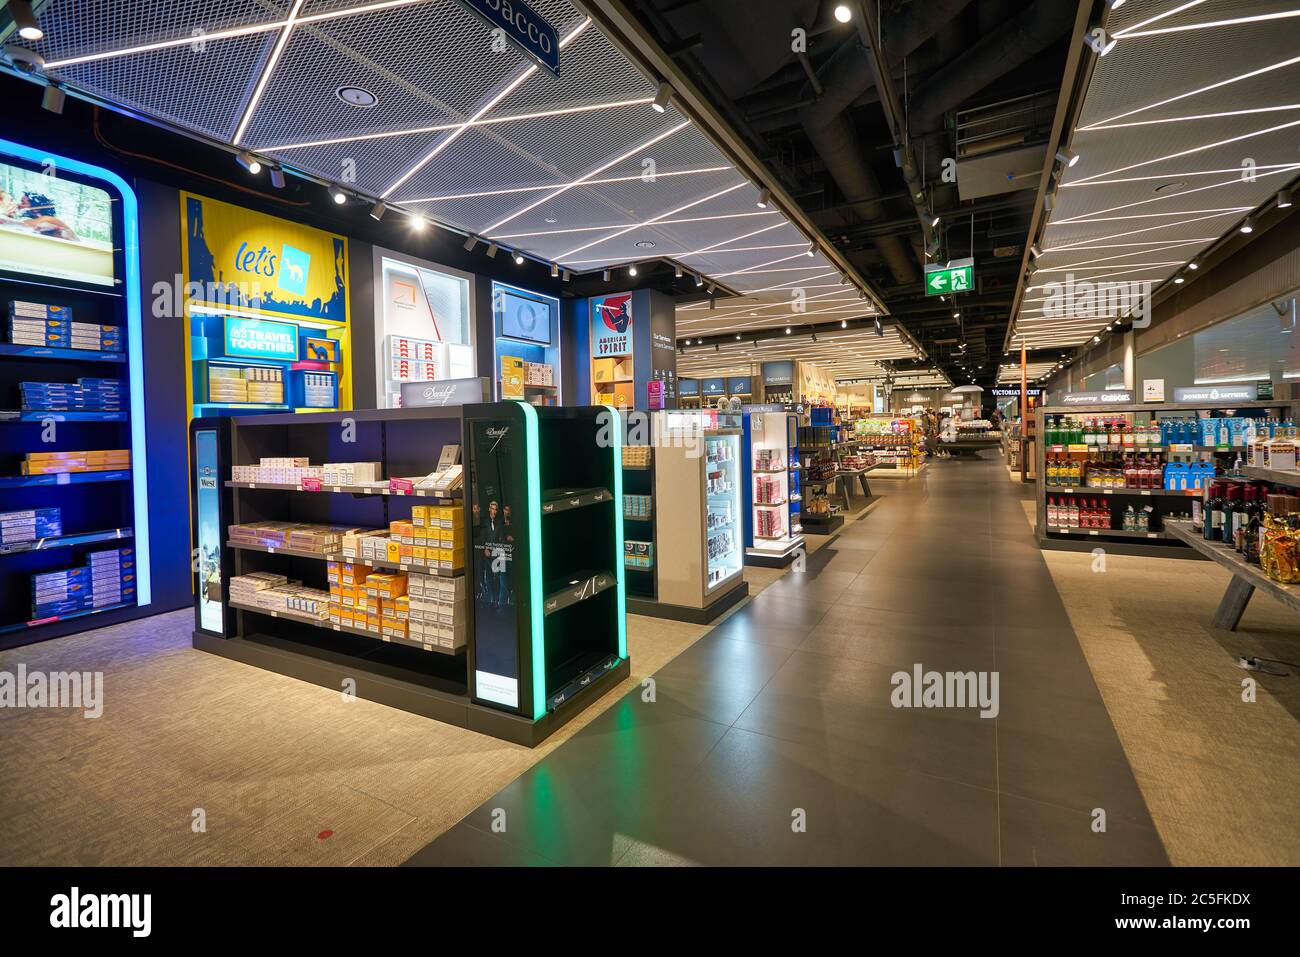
x=512, y=377
x=238, y=262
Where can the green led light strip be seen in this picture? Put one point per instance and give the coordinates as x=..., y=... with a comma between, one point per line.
x=537, y=624
x=618, y=525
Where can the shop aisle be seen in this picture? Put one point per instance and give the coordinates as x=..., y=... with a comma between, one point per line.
x=773, y=740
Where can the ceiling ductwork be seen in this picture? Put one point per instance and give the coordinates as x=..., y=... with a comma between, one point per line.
x=831, y=130
x=1026, y=35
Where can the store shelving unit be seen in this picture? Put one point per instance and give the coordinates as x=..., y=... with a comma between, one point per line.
x=546, y=573
x=819, y=478
x=99, y=280
x=435, y=682
x=773, y=486
x=894, y=440
x=640, y=559
x=1171, y=503
x=699, y=477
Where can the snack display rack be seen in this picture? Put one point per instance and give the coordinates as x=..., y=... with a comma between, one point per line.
x=698, y=479
x=74, y=518
x=819, y=467
x=773, y=486
x=895, y=441
x=1157, y=460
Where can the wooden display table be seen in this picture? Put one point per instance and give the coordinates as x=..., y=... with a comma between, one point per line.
x=1246, y=577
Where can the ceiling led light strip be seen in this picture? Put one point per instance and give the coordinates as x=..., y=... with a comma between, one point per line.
x=1107, y=259
x=685, y=254
x=596, y=172
x=1280, y=167
x=491, y=103
x=1160, y=16
x=540, y=189
x=662, y=222
x=1198, y=116
x=624, y=230
x=1095, y=218
x=280, y=43
x=1235, y=21
x=212, y=35
x=755, y=292
x=1164, y=199
x=1084, y=244
x=1195, y=149
x=442, y=127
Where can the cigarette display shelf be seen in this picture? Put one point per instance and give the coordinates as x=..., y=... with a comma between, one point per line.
x=97, y=283
x=547, y=585
x=26, y=415
x=66, y=541
x=1162, y=502
x=326, y=625
x=340, y=557
x=350, y=490
x=46, y=352
x=639, y=480
x=401, y=674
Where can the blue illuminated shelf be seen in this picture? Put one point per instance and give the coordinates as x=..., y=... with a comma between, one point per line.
x=12, y=415
x=63, y=478
x=66, y=541
x=50, y=352
x=23, y=625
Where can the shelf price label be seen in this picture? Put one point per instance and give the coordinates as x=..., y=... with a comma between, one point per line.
x=310, y=485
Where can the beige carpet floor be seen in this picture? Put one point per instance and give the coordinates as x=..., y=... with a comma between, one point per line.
x=201, y=760
x=1220, y=775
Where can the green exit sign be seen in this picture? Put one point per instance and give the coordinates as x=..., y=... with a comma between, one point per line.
x=955, y=276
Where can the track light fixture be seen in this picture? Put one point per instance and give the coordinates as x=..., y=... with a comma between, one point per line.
x=677, y=270
x=738, y=337
x=663, y=96
x=788, y=330
x=699, y=281
x=567, y=275
x=631, y=270
x=555, y=271
x=1049, y=201
x=1249, y=225
x=1035, y=250
x=1068, y=157
x=519, y=259
x=250, y=163
x=277, y=176
x=417, y=222
x=52, y=99
x=470, y=243
x=604, y=274
x=492, y=251
x=713, y=302
x=1193, y=265
x=338, y=196
x=843, y=12
x=1284, y=199
x=812, y=250
x=712, y=289
x=377, y=211
x=1178, y=280
x=29, y=28
x=764, y=199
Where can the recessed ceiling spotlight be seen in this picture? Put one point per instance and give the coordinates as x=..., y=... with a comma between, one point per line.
x=1067, y=156
x=1249, y=225
x=338, y=196
x=1193, y=265
x=663, y=96
x=29, y=28
x=249, y=162
x=551, y=220
x=645, y=244
x=1178, y=280
x=356, y=96
x=764, y=198
x=843, y=12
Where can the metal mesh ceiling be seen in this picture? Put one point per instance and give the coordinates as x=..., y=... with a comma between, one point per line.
x=1187, y=125
x=454, y=132
x=852, y=353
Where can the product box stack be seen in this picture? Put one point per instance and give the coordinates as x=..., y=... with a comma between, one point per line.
x=244, y=588
x=256, y=384
x=107, y=578
x=768, y=490
x=94, y=460
x=289, y=470
x=636, y=456
x=440, y=531
x=30, y=525
x=637, y=506
x=638, y=554
x=295, y=599
x=353, y=473
x=318, y=390
x=41, y=324
x=769, y=523
x=348, y=602
x=84, y=395
x=300, y=536
x=436, y=609
x=539, y=373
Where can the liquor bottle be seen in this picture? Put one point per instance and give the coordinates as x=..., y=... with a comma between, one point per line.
x=1217, y=514
x=1254, y=534
x=1131, y=479
x=1212, y=501
x=1231, y=511
x=1130, y=519
x=1072, y=513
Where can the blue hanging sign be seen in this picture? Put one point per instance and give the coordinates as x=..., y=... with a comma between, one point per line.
x=524, y=27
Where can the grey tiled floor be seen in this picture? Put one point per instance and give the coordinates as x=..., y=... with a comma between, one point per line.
x=783, y=714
